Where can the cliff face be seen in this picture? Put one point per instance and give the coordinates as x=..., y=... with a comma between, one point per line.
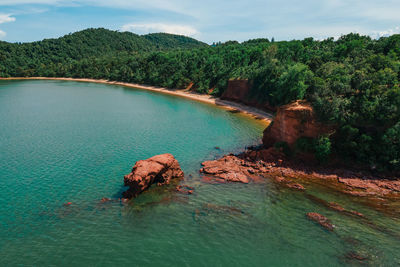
x=239, y=91
x=293, y=121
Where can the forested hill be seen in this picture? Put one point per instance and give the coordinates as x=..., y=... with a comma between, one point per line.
x=92, y=43
x=352, y=83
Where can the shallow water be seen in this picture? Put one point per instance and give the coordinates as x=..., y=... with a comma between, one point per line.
x=73, y=142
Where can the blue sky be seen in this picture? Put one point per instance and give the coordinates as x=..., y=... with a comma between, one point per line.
x=206, y=20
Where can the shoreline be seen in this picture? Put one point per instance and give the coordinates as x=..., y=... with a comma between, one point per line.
x=256, y=165
x=252, y=112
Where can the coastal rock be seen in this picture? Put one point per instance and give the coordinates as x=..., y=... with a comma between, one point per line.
x=370, y=186
x=321, y=219
x=257, y=163
x=229, y=168
x=158, y=170
x=291, y=122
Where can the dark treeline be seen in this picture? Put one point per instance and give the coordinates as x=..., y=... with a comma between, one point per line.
x=352, y=83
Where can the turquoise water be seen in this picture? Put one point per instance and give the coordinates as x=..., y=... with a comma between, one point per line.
x=73, y=142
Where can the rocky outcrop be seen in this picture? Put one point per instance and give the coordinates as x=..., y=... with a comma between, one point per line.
x=229, y=168
x=158, y=170
x=242, y=168
x=291, y=122
x=257, y=163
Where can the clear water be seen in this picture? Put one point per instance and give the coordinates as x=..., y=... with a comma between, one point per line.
x=73, y=142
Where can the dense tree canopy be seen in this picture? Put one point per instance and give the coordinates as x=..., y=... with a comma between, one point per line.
x=352, y=82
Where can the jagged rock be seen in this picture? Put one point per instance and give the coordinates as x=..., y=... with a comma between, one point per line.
x=158, y=170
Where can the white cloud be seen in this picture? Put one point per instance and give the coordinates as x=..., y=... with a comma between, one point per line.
x=6, y=18
x=385, y=33
x=23, y=2
x=2, y=34
x=222, y=20
x=160, y=27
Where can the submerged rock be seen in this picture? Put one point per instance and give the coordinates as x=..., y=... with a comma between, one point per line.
x=352, y=255
x=321, y=219
x=105, y=199
x=185, y=189
x=289, y=183
x=158, y=170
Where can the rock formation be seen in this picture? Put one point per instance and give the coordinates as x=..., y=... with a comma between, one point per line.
x=231, y=169
x=291, y=122
x=158, y=170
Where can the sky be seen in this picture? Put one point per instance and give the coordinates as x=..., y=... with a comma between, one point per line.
x=206, y=20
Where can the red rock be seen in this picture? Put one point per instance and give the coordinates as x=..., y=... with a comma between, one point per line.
x=291, y=122
x=251, y=170
x=355, y=183
x=158, y=170
x=322, y=220
x=356, y=213
x=336, y=206
x=229, y=168
x=105, y=199
x=296, y=186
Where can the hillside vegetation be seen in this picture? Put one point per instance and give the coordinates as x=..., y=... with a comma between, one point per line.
x=352, y=83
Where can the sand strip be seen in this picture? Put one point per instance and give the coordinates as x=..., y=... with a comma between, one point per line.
x=229, y=105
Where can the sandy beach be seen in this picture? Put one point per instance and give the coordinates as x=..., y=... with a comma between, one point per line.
x=255, y=113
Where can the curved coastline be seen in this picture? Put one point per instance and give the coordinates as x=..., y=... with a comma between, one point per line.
x=255, y=113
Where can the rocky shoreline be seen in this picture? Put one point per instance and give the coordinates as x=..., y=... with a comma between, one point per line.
x=255, y=164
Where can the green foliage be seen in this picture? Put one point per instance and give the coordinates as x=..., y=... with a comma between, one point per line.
x=322, y=147
x=305, y=144
x=352, y=82
x=390, y=147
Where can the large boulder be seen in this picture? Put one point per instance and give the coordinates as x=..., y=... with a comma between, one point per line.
x=293, y=121
x=158, y=170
